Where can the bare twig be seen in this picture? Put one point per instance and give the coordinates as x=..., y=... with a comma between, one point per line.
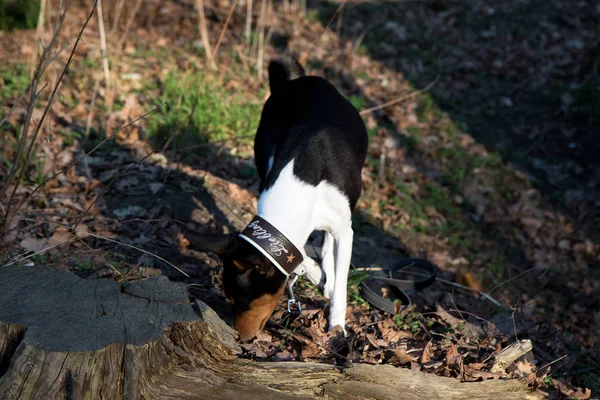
x=248, y=21
x=87, y=210
x=70, y=239
x=77, y=162
x=103, y=49
x=138, y=249
x=260, y=30
x=115, y=23
x=128, y=25
x=39, y=33
x=16, y=104
x=22, y=159
x=487, y=296
x=216, y=49
x=338, y=11
x=401, y=98
x=203, y=27
x=513, y=278
x=88, y=123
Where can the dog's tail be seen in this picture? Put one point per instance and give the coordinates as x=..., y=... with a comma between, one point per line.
x=283, y=69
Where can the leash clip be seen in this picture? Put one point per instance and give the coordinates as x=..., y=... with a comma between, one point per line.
x=292, y=298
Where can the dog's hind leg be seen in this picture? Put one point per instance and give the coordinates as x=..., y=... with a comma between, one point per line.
x=327, y=255
x=343, y=255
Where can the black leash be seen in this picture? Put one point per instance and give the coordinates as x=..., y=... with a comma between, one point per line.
x=419, y=267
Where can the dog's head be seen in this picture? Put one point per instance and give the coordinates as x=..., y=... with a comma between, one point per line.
x=251, y=282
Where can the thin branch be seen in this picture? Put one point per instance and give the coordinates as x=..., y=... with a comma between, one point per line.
x=260, y=29
x=487, y=296
x=216, y=49
x=248, y=21
x=81, y=159
x=203, y=27
x=20, y=159
x=401, y=98
x=16, y=104
x=38, y=252
x=103, y=49
x=138, y=249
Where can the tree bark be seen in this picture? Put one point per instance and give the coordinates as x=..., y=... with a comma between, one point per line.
x=63, y=337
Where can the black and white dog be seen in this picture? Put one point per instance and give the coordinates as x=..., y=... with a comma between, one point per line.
x=310, y=147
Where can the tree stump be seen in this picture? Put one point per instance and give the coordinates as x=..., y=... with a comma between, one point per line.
x=63, y=337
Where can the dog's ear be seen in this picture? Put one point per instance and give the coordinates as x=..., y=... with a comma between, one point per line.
x=222, y=245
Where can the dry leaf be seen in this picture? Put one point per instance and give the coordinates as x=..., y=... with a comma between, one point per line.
x=426, y=355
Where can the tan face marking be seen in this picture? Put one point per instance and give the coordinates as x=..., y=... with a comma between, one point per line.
x=249, y=323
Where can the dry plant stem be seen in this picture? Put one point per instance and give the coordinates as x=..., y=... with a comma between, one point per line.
x=128, y=25
x=119, y=9
x=401, y=98
x=103, y=46
x=79, y=160
x=338, y=11
x=70, y=239
x=248, y=21
x=139, y=249
x=216, y=49
x=62, y=171
x=39, y=32
x=88, y=124
x=87, y=210
x=203, y=27
x=46, y=109
x=20, y=159
x=340, y=21
x=260, y=29
x=16, y=104
x=487, y=296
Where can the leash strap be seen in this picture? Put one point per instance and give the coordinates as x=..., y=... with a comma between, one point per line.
x=272, y=244
x=399, y=286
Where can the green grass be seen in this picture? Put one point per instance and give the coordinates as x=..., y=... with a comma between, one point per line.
x=19, y=14
x=83, y=266
x=14, y=79
x=198, y=110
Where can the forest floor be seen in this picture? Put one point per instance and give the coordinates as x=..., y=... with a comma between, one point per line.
x=485, y=164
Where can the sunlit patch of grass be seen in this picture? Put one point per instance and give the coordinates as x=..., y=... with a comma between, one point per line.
x=14, y=79
x=200, y=110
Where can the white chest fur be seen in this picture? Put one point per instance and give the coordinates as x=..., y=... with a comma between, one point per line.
x=297, y=208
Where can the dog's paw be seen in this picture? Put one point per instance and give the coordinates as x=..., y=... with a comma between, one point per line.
x=342, y=327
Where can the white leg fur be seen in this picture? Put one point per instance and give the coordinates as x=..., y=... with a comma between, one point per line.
x=343, y=255
x=328, y=264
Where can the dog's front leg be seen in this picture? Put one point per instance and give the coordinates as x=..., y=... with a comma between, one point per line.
x=343, y=255
x=328, y=256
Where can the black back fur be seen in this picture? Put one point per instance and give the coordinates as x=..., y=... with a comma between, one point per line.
x=308, y=120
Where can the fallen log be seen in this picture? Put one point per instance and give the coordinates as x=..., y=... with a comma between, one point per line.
x=63, y=337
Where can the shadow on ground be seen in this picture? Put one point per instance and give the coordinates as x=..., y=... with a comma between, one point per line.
x=520, y=77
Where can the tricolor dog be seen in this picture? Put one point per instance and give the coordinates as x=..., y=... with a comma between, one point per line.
x=310, y=147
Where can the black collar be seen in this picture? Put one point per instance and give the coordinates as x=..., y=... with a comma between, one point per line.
x=272, y=244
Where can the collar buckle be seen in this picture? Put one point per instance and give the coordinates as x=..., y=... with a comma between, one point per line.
x=292, y=298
